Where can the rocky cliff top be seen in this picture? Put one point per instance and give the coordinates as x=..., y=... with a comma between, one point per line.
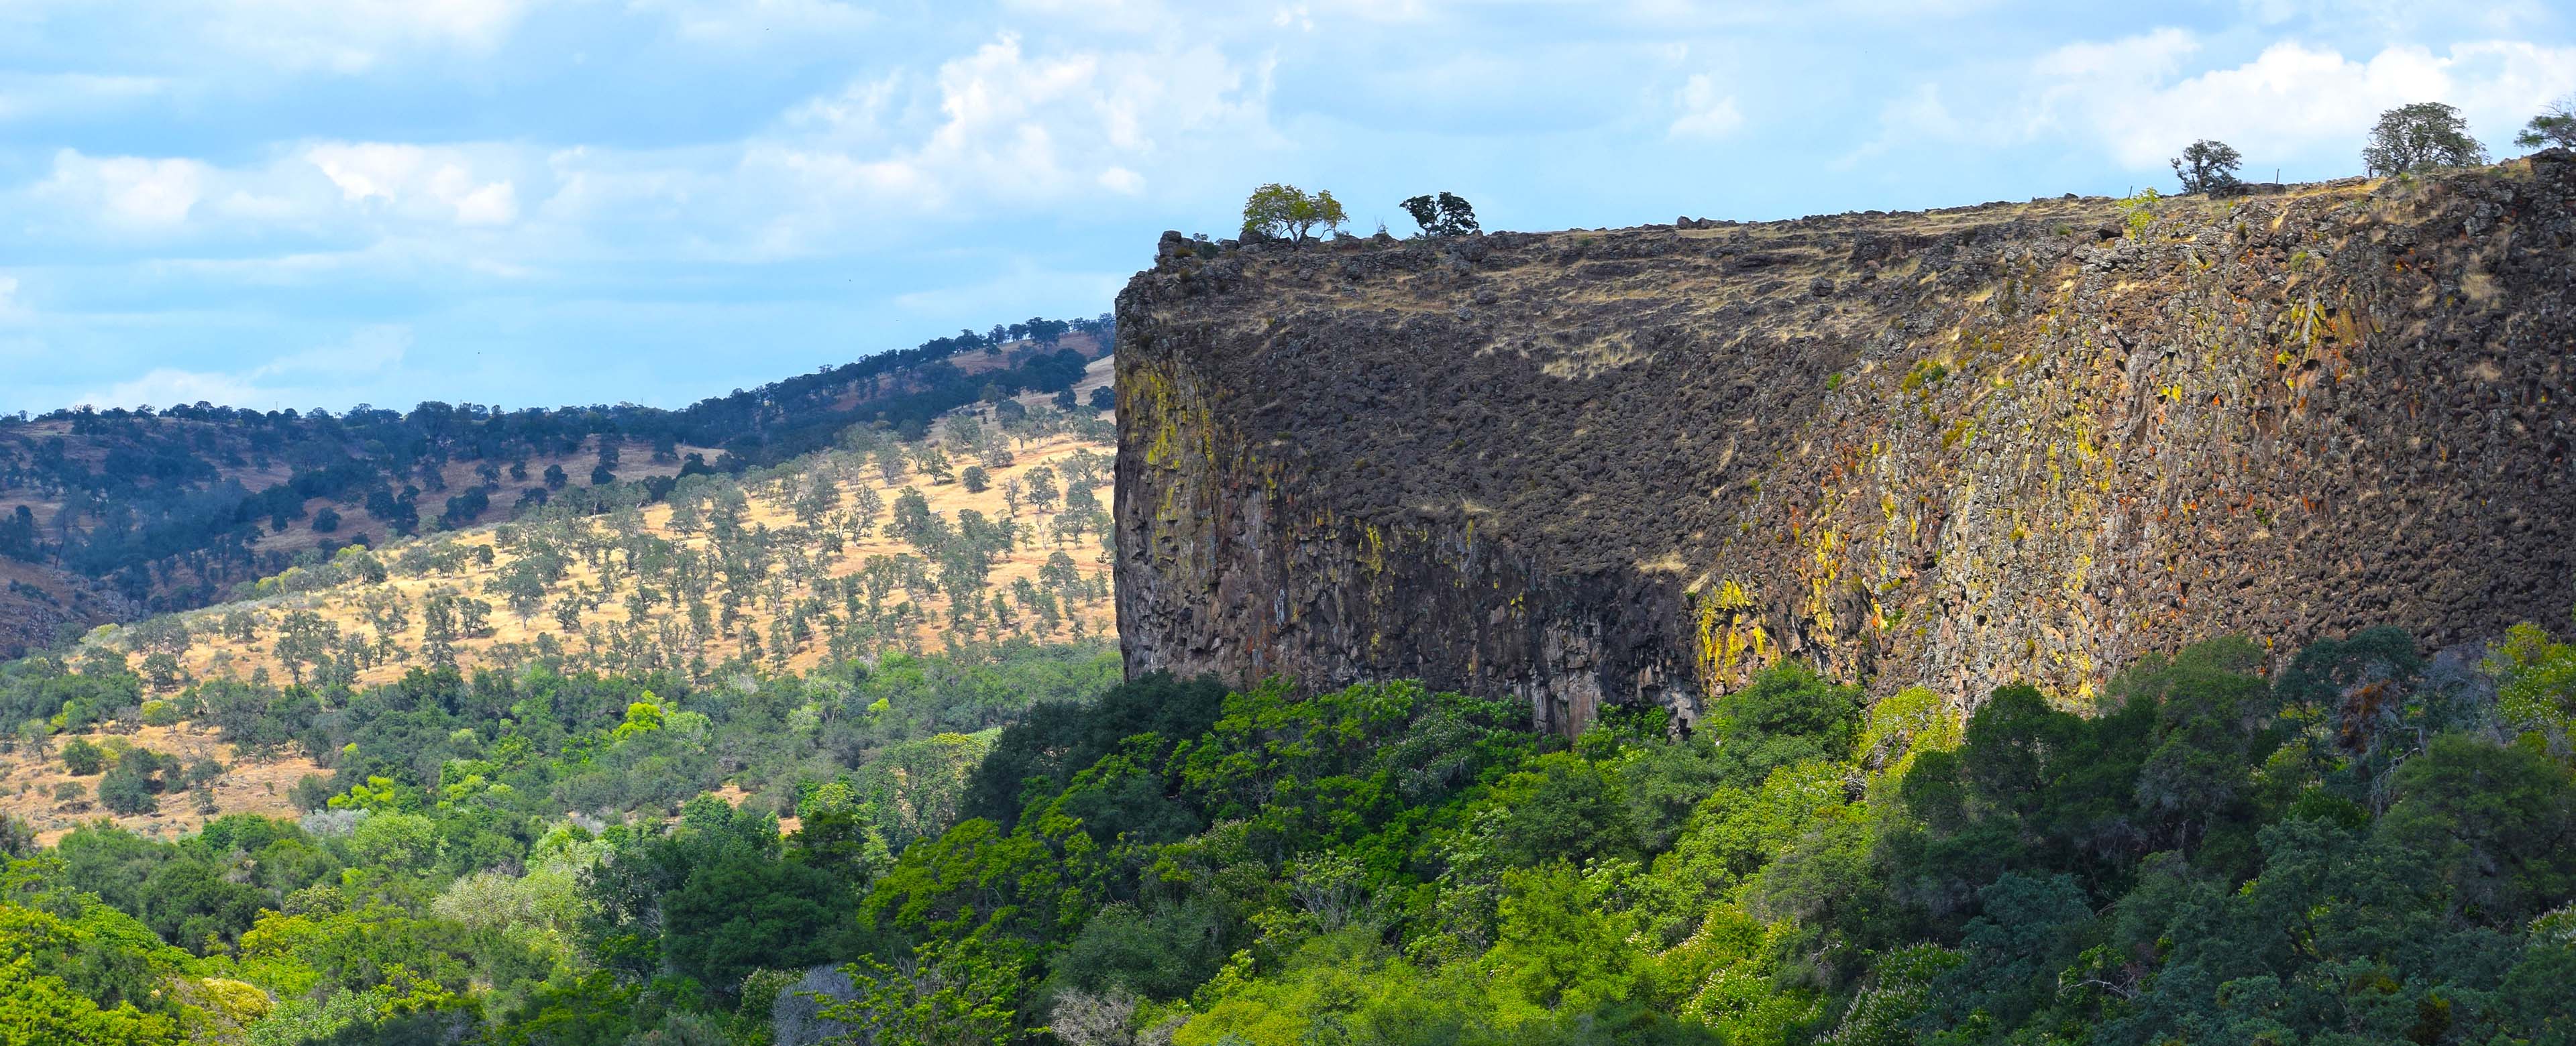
x=1956, y=447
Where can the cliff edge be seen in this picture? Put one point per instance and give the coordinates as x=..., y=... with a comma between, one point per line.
x=1958, y=448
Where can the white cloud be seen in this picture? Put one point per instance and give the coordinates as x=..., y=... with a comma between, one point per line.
x=301, y=377
x=1117, y=16
x=417, y=180
x=1122, y=181
x=1000, y=127
x=129, y=191
x=28, y=95
x=1019, y=288
x=2400, y=19
x=370, y=349
x=1704, y=112
x=1003, y=127
x=337, y=193
x=351, y=36
x=1916, y=118
x=2291, y=100
x=366, y=171
x=493, y=204
x=165, y=386
x=758, y=24
x=2141, y=99
x=11, y=311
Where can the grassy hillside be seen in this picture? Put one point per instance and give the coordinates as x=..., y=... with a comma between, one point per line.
x=39, y=789
x=878, y=546
x=119, y=512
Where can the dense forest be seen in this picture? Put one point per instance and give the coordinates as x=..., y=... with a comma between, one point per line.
x=2364, y=845
x=168, y=506
x=458, y=817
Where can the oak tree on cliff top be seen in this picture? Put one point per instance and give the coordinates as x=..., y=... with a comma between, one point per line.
x=1278, y=211
x=2555, y=126
x=2421, y=137
x=1444, y=215
x=2207, y=164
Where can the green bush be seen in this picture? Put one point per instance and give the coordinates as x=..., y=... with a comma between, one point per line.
x=82, y=758
x=128, y=789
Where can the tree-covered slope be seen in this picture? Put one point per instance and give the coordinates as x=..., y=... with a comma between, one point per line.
x=2367, y=846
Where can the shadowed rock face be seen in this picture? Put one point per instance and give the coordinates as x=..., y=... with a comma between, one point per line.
x=1957, y=448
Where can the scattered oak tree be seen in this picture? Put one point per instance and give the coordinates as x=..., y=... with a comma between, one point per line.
x=82, y=758
x=2421, y=137
x=1445, y=214
x=1285, y=212
x=133, y=785
x=2207, y=164
x=2554, y=127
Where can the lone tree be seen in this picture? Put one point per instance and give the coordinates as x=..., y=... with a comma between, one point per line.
x=2555, y=126
x=2207, y=164
x=1286, y=212
x=2421, y=137
x=1443, y=215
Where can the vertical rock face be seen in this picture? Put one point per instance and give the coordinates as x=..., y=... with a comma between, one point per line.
x=1956, y=448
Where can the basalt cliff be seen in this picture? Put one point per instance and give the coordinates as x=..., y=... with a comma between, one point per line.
x=1954, y=448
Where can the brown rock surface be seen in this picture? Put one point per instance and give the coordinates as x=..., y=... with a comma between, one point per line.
x=1957, y=448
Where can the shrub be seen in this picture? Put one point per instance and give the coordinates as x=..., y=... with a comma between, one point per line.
x=2140, y=211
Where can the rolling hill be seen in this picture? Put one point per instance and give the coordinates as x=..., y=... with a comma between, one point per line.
x=988, y=530
x=109, y=514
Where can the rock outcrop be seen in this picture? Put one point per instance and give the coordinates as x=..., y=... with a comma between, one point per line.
x=1956, y=448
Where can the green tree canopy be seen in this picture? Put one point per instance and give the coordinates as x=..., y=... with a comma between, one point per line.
x=2554, y=127
x=1446, y=214
x=1286, y=212
x=2207, y=164
x=2421, y=137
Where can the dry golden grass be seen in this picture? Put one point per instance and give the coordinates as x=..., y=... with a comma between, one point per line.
x=27, y=784
x=211, y=655
x=635, y=461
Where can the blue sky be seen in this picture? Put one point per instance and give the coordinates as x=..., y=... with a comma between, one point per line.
x=317, y=203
